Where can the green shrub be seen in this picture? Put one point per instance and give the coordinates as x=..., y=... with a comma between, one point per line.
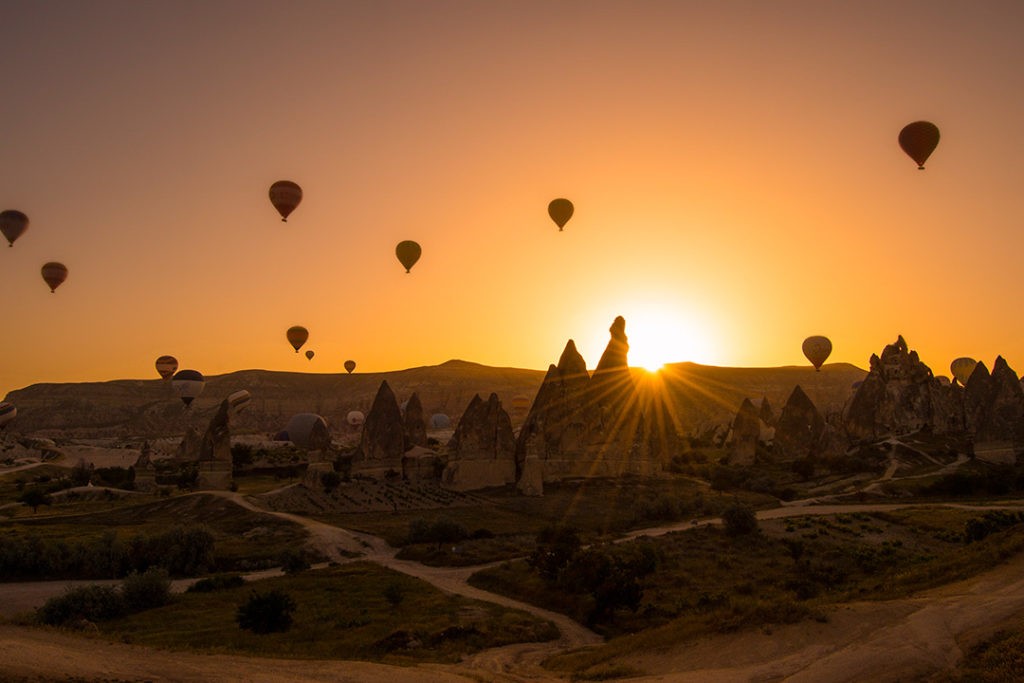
x=269, y=612
x=150, y=589
x=739, y=520
x=94, y=603
x=293, y=562
x=216, y=583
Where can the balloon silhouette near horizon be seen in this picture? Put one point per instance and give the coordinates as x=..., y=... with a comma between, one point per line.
x=310, y=354
x=919, y=139
x=54, y=274
x=962, y=368
x=350, y=365
x=188, y=384
x=166, y=366
x=817, y=349
x=297, y=336
x=561, y=211
x=408, y=253
x=12, y=224
x=285, y=196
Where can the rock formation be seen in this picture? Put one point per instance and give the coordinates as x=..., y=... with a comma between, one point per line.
x=800, y=431
x=581, y=426
x=188, y=449
x=901, y=396
x=995, y=407
x=415, y=424
x=145, y=470
x=482, y=449
x=215, y=452
x=382, y=443
x=766, y=413
x=746, y=429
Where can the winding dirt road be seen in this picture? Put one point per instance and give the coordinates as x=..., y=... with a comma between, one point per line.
x=869, y=641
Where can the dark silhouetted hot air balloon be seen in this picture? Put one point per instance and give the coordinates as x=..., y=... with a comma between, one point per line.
x=297, y=336
x=560, y=211
x=310, y=354
x=188, y=384
x=166, y=366
x=309, y=430
x=350, y=365
x=440, y=421
x=7, y=413
x=239, y=400
x=919, y=139
x=962, y=369
x=817, y=350
x=355, y=418
x=285, y=196
x=12, y=225
x=408, y=253
x=54, y=273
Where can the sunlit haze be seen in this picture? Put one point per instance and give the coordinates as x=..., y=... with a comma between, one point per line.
x=734, y=168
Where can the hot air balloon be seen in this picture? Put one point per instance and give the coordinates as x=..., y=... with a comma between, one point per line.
x=310, y=354
x=54, y=273
x=297, y=336
x=408, y=253
x=560, y=211
x=309, y=431
x=962, y=369
x=355, y=418
x=239, y=400
x=943, y=380
x=350, y=365
x=440, y=421
x=919, y=139
x=12, y=225
x=520, y=404
x=166, y=366
x=188, y=384
x=7, y=413
x=817, y=350
x=285, y=196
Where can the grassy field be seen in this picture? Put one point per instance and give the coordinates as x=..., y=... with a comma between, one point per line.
x=342, y=612
x=795, y=569
x=243, y=539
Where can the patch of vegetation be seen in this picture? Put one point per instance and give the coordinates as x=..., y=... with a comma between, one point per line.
x=997, y=659
x=216, y=583
x=99, y=603
x=341, y=612
x=269, y=612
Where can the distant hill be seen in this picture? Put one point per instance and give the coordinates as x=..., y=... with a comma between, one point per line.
x=700, y=396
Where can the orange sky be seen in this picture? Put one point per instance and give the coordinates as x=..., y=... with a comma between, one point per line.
x=734, y=168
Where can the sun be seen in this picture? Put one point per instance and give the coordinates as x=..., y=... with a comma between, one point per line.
x=663, y=334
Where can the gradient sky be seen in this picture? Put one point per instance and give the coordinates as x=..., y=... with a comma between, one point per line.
x=734, y=166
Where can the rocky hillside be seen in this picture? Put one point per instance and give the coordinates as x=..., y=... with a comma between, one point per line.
x=698, y=396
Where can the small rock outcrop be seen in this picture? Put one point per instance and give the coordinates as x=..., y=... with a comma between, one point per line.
x=145, y=469
x=191, y=443
x=746, y=429
x=382, y=443
x=415, y=423
x=482, y=449
x=215, y=452
x=800, y=431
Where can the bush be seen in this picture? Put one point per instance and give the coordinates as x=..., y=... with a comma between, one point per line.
x=330, y=481
x=394, y=594
x=269, y=612
x=94, y=603
x=216, y=583
x=33, y=498
x=739, y=520
x=150, y=589
x=441, y=531
x=293, y=562
x=556, y=547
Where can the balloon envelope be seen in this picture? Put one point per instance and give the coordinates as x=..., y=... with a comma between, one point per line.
x=408, y=253
x=54, y=273
x=166, y=366
x=355, y=418
x=440, y=421
x=817, y=350
x=285, y=196
x=12, y=224
x=350, y=365
x=297, y=336
x=560, y=211
x=962, y=369
x=310, y=354
x=239, y=400
x=919, y=139
x=7, y=413
x=188, y=384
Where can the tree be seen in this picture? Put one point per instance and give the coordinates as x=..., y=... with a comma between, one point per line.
x=739, y=520
x=556, y=547
x=330, y=481
x=269, y=612
x=33, y=498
